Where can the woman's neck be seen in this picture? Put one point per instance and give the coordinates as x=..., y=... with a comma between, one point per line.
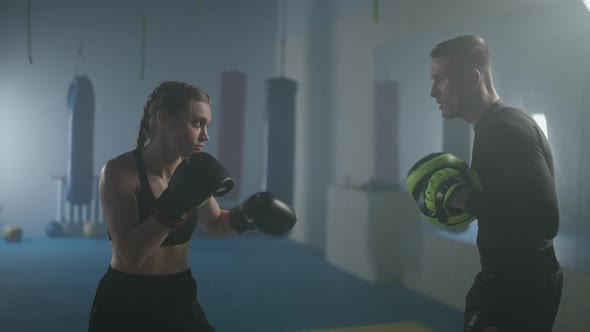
x=159, y=160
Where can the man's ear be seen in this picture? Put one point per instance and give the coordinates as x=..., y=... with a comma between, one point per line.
x=476, y=78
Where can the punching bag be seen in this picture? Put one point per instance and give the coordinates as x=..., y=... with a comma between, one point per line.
x=80, y=173
x=385, y=135
x=231, y=127
x=281, y=137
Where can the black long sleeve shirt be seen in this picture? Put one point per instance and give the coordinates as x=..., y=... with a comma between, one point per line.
x=517, y=211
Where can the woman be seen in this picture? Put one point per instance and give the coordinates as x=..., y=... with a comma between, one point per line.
x=152, y=199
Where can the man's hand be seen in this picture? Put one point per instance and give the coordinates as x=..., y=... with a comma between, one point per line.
x=458, y=199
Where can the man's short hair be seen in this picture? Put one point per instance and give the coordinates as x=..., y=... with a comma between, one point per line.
x=468, y=50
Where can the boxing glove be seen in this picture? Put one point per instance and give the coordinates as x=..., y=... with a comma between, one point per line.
x=265, y=212
x=440, y=187
x=193, y=183
x=419, y=174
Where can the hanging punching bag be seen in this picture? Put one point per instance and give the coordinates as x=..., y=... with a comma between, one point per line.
x=281, y=137
x=80, y=173
x=385, y=134
x=231, y=127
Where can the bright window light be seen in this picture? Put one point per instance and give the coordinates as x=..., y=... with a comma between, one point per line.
x=587, y=3
x=541, y=120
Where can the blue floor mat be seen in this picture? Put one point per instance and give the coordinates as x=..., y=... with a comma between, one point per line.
x=248, y=283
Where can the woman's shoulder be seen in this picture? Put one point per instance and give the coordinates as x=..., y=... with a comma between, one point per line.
x=121, y=169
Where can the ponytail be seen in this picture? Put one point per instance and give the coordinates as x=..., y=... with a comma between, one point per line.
x=145, y=131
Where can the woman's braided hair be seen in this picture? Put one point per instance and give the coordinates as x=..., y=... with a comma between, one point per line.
x=171, y=97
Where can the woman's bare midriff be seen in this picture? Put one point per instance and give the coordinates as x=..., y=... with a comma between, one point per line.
x=165, y=260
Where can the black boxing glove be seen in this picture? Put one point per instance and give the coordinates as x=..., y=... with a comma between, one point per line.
x=265, y=212
x=192, y=184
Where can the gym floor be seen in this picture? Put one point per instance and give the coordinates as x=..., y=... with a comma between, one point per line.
x=247, y=283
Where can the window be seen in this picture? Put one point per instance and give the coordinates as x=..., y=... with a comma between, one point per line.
x=541, y=120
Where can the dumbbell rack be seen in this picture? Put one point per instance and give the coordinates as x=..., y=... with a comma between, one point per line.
x=75, y=215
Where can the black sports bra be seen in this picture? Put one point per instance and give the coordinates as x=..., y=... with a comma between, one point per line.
x=146, y=200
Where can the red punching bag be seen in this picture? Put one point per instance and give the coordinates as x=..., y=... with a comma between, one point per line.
x=385, y=135
x=231, y=128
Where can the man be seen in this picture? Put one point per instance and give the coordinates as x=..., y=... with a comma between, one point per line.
x=519, y=286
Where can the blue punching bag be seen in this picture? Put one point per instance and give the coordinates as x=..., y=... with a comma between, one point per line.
x=80, y=173
x=281, y=137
